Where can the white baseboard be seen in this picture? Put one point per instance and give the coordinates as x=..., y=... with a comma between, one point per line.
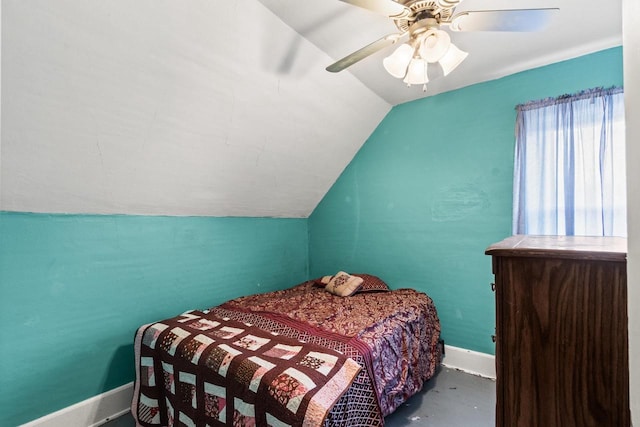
x=470, y=361
x=92, y=412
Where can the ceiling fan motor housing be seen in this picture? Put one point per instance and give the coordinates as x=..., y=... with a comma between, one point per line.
x=440, y=10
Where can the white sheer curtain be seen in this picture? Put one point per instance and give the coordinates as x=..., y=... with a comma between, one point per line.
x=569, y=176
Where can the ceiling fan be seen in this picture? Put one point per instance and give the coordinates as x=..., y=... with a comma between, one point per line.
x=420, y=21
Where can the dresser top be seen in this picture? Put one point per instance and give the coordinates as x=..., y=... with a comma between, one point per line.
x=573, y=247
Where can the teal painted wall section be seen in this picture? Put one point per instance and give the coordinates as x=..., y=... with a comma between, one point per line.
x=74, y=289
x=432, y=188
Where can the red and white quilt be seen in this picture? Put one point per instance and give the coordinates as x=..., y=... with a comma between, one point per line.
x=202, y=369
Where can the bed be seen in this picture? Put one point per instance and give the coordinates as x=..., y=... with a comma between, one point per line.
x=306, y=356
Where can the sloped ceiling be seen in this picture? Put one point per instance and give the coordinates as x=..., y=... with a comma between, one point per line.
x=175, y=107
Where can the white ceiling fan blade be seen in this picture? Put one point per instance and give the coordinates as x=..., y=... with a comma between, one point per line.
x=384, y=7
x=360, y=54
x=502, y=20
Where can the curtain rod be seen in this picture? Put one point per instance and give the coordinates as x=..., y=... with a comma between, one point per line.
x=566, y=98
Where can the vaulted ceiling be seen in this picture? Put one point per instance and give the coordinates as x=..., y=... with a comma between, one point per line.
x=199, y=107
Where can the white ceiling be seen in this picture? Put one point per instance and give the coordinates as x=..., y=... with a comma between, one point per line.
x=337, y=28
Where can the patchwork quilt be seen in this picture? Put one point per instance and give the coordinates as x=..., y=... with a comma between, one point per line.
x=202, y=368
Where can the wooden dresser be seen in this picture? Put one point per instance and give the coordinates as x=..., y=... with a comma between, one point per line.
x=561, y=331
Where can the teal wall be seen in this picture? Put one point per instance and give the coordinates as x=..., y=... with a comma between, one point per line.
x=432, y=188
x=74, y=288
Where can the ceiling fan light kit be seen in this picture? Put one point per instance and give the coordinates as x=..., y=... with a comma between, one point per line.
x=428, y=44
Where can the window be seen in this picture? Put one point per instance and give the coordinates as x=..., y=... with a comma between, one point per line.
x=569, y=169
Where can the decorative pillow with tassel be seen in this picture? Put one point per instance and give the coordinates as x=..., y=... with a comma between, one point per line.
x=343, y=284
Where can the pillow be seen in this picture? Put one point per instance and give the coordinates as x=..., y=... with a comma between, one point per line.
x=343, y=284
x=322, y=281
x=372, y=283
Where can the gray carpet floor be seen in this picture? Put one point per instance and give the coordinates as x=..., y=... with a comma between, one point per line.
x=450, y=399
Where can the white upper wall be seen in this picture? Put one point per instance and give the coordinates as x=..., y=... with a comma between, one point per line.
x=171, y=107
